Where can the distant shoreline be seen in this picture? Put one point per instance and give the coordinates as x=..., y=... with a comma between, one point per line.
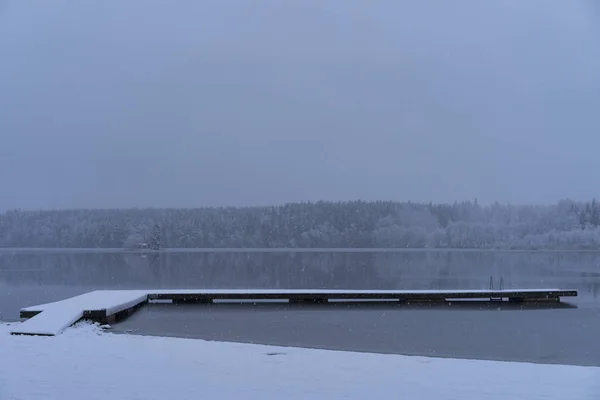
x=308, y=227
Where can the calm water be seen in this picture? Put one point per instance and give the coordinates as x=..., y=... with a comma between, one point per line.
x=33, y=277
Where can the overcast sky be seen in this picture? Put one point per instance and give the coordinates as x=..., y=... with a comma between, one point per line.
x=238, y=102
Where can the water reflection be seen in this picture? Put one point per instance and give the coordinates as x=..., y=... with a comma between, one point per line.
x=27, y=278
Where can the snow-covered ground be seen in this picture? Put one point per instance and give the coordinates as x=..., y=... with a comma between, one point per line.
x=86, y=363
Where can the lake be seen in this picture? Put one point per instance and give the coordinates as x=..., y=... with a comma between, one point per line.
x=32, y=277
x=562, y=333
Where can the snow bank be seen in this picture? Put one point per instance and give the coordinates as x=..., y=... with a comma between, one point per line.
x=86, y=363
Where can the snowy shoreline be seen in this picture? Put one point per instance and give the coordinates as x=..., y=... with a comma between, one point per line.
x=102, y=365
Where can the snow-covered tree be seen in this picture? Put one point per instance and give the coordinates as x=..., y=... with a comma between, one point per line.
x=155, y=240
x=321, y=224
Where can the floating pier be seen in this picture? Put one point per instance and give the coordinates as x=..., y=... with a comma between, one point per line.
x=106, y=306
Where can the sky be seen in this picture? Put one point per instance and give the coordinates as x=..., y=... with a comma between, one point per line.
x=154, y=103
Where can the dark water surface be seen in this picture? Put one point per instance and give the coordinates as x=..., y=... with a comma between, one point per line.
x=556, y=334
x=566, y=333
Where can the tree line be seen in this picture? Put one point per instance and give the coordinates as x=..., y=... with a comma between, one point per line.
x=381, y=224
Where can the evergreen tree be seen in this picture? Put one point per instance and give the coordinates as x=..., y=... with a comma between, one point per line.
x=585, y=216
x=594, y=214
x=154, y=242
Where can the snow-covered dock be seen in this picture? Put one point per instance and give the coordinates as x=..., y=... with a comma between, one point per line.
x=52, y=318
x=105, y=306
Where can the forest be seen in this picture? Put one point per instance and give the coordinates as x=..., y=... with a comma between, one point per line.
x=567, y=224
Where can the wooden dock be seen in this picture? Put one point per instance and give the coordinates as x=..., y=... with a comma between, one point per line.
x=107, y=306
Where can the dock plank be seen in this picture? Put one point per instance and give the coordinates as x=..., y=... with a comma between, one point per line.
x=50, y=322
x=301, y=294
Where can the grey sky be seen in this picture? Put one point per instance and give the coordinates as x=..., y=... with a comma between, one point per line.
x=223, y=102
